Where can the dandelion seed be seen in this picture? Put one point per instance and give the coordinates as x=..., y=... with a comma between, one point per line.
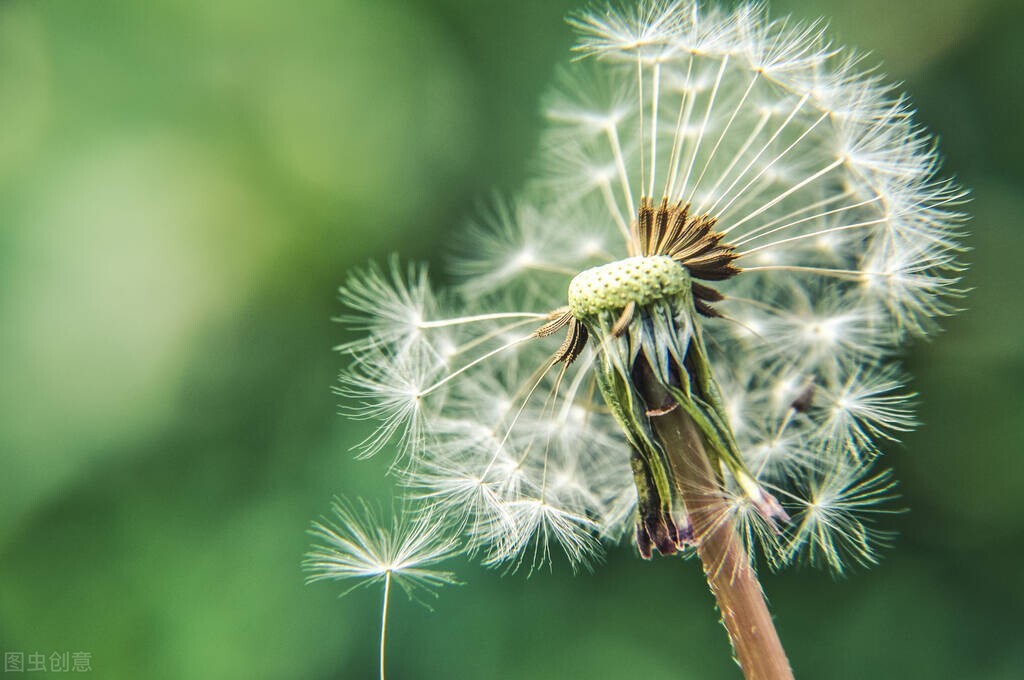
x=356, y=545
x=834, y=522
x=389, y=306
x=868, y=405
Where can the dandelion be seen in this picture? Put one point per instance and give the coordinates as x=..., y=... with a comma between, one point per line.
x=685, y=330
x=357, y=546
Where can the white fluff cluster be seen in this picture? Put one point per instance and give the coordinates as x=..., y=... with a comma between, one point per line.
x=816, y=174
x=357, y=545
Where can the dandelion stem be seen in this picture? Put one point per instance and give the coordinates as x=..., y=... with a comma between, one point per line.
x=384, y=620
x=727, y=567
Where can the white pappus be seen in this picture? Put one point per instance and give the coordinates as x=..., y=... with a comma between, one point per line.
x=728, y=204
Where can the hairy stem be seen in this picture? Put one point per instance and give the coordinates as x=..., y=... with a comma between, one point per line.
x=726, y=565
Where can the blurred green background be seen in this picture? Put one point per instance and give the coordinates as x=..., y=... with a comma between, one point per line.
x=183, y=185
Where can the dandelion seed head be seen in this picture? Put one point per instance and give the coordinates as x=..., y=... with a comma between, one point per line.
x=729, y=200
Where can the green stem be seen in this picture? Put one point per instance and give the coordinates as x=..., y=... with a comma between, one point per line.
x=727, y=567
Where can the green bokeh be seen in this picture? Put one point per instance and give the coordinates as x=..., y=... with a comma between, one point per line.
x=183, y=185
